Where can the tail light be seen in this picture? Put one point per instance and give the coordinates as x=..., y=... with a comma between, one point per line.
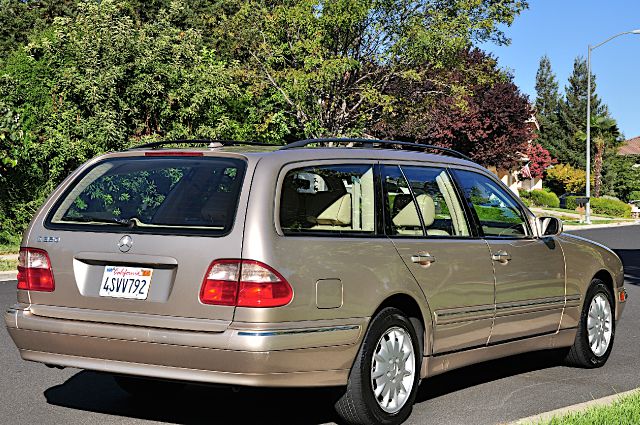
x=244, y=283
x=34, y=270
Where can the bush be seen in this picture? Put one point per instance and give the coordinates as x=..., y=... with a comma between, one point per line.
x=541, y=198
x=563, y=178
x=604, y=206
x=635, y=195
x=525, y=201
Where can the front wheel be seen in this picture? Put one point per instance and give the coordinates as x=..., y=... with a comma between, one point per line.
x=384, y=379
x=596, y=330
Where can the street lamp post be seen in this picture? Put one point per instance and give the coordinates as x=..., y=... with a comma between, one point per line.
x=587, y=211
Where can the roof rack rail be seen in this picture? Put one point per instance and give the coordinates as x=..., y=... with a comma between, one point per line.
x=209, y=142
x=371, y=142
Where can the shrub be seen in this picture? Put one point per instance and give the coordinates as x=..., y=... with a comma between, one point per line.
x=563, y=178
x=604, y=206
x=634, y=195
x=541, y=198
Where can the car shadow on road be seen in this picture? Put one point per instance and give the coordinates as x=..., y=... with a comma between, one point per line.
x=197, y=404
x=200, y=404
x=489, y=371
x=631, y=261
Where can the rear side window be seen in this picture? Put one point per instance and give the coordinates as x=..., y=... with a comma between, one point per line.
x=154, y=194
x=332, y=198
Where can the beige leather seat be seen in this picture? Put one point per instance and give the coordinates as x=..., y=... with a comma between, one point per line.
x=408, y=222
x=338, y=214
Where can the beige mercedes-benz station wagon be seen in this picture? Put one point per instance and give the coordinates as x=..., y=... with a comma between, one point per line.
x=354, y=264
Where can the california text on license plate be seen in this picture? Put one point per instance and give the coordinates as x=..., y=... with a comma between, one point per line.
x=125, y=282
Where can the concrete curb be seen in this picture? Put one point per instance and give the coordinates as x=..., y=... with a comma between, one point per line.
x=580, y=407
x=8, y=276
x=598, y=226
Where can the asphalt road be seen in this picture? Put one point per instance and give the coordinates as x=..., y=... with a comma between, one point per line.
x=489, y=393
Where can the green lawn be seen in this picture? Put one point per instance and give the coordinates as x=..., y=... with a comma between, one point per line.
x=8, y=265
x=625, y=411
x=9, y=248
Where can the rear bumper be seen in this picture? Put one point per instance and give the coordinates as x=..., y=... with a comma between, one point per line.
x=301, y=354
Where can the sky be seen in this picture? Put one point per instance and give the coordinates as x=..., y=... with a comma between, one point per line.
x=562, y=29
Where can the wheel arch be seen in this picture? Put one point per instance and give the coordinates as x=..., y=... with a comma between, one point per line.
x=607, y=278
x=415, y=312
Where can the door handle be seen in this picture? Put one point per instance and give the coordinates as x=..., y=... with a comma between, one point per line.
x=501, y=256
x=423, y=258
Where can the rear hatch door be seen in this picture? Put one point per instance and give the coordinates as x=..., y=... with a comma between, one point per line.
x=131, y=238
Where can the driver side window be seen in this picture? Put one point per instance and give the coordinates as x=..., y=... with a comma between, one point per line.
x=499, y=215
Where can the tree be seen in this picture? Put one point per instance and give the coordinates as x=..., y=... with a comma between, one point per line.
x=547, y=108
x=20, y=18
x=539, y=159
x=103, y=80
x=574, y=110
x=621, y=178
x=604, y=133
x=488, y=122
x=329, y=63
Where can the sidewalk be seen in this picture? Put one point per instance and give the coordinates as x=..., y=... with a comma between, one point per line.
x=606, y=221
x=8, y=276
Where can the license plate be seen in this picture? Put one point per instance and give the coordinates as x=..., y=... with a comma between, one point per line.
x=126, y=282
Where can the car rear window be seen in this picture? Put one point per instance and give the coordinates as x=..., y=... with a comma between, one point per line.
x=160, y=194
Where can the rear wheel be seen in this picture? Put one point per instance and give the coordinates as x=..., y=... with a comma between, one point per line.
x=384, y=379
x=148, y=388
x=596, y=330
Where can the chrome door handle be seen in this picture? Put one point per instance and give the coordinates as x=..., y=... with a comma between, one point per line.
x=423, y=258
x=501, y=256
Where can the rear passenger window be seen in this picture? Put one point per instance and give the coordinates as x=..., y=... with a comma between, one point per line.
x=420, y=196
x=332, y=198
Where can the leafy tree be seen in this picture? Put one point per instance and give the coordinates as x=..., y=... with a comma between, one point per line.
x=20, y=18
x=621, y=177
x=539, y=159
x=489, y=121
x=329, y=64
x=103, y=80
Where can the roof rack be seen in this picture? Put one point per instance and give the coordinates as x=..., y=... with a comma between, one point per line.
x=368, y=143
x=209, y=142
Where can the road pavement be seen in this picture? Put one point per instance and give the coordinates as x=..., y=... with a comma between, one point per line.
x=489, y=393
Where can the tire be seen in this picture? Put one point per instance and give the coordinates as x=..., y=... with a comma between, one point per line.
x=583, y=353
x=143, y=388
x=359, y=404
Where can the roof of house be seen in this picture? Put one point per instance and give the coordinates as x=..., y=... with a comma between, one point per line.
x=630, y=147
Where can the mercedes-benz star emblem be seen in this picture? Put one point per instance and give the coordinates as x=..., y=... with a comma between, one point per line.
x=125, y=244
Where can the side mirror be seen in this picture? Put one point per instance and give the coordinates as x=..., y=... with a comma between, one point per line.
x=549, y=226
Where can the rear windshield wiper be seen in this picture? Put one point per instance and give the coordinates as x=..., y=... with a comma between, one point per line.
x=127, y=222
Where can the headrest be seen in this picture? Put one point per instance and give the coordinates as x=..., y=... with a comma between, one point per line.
x=338, y=213
x=408, y=216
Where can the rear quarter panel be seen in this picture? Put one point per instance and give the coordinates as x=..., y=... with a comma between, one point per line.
x=369, y=268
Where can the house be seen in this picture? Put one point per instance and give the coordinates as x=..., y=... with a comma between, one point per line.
x=630, y=147
x=519, y=177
